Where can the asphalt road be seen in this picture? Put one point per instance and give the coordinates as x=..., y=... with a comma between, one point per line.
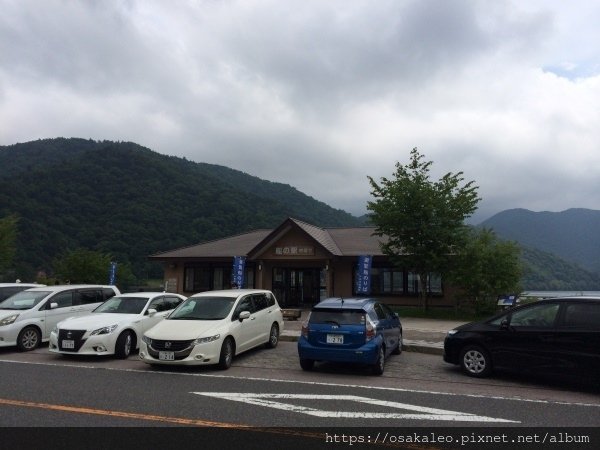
x=267, y=388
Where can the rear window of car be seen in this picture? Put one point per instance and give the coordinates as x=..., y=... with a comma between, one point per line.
x=338, y=316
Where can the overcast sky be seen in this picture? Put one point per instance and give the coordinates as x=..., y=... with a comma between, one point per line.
x=319, y=94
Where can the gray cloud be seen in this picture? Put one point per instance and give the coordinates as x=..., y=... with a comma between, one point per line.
x=321, y=94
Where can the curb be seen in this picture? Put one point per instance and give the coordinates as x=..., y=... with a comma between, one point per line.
x=433, y=349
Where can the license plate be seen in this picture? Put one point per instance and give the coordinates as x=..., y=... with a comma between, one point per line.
x=68, y=344
x=335, y=338
x=166, y=356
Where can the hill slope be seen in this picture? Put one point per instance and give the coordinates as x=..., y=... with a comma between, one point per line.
x=129, y=201
x=573, y=235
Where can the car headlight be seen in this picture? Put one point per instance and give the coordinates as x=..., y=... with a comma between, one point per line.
x=205, y=340
x=8, y=320
x=452, y=332
x=147, y=340
x=104, y=330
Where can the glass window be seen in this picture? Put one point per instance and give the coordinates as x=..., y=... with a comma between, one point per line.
x=108, y=293
x=435, y=283
x=535, y=316
x=386, y=280
x=260, y=302
x=203, y=308
x=63, y=299
x=172, y=302
x=23, y=300
x=197, y=279
x=338, y=316
x=245, y=304
x=123, y=305
x=88, y=296
x=413, y=283
x=582, y=316
x=158, y=304
x=379, y=311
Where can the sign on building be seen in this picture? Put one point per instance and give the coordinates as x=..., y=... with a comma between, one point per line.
x=237, y=274
x=363, y=275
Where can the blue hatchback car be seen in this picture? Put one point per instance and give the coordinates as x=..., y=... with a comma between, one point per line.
x=350, y=330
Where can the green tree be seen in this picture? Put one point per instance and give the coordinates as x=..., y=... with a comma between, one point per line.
x=88, y=266
x=8, y=237
x=422, y=221
x=485, y=268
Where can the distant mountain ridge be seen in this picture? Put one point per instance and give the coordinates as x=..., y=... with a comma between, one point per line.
x=130, y=201
x=573, y=235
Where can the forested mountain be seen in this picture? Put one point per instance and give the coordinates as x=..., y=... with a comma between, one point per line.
x=573, y=235
x=129, y=201
x=559, y=250
x=544, y=271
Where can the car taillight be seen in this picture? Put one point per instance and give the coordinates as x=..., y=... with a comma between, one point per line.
x=370, y=331
x=304, y=331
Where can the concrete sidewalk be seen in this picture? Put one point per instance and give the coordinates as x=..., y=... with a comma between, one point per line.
x=419, y=335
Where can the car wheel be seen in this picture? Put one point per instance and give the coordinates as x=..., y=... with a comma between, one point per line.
x=273, y=336
x=398, y=348
x=29, y=338
x=475, y=361
x=124, y=345
x=379, y=366
x=307, y=364
x=226, y=357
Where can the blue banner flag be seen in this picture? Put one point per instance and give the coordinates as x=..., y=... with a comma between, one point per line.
x=237, y=275
x=363, y=274
x=112, y=273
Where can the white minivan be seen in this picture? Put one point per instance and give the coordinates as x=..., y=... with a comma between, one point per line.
x=212, y=327
x=28, y=317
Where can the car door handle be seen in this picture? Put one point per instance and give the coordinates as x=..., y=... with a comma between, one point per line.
x=252, y=318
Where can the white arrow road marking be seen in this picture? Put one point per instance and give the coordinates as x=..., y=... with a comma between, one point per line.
x=423, y=413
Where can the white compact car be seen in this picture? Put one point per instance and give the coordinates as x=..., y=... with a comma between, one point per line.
x=27, y=317
x=212, y=327
x=115, y=327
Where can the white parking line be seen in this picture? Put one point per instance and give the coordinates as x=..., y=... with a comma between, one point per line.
x=424, y=413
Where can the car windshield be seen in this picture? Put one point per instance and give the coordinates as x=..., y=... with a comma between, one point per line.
x=338, y=316
x=24, y=300
x=203, y=308
x=123, y=305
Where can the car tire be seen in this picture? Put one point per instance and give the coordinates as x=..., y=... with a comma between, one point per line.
x=273, y=336
x=29, y=339
x=475, y=361
x=307, y=364
x=379, y=367
x=398, y=348
x=226, y=357
x=125, y=342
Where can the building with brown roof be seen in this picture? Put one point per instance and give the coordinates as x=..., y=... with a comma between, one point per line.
x=301, y=263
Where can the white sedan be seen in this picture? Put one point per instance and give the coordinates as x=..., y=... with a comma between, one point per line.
x=212, y=327
x=115, y=327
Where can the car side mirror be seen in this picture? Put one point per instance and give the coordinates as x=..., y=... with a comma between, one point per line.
x=244, y=315
x=505, y=324
x=53, y=305
x=151, y=312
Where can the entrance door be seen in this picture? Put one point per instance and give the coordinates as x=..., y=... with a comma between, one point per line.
x=296, y=288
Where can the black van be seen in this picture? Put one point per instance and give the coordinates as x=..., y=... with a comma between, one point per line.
x=558, y=336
